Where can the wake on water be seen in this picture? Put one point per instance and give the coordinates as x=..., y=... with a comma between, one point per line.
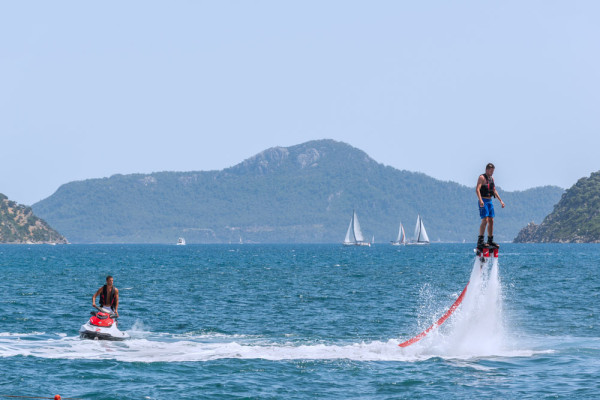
x=475, y=330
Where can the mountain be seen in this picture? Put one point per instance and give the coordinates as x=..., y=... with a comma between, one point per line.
x=575, y=219
x=19, y=225
x=304, y=193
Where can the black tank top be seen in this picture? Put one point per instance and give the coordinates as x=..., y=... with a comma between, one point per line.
x=103, y=296
x=487, y=189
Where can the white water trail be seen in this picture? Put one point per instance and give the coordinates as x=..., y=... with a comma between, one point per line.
x=475, y=330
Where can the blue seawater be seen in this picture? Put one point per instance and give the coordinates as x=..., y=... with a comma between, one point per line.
x=302, y=322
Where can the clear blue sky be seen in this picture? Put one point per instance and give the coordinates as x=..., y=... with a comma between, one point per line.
x=91, y=89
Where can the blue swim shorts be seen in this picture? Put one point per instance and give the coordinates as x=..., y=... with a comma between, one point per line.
x=487, y=210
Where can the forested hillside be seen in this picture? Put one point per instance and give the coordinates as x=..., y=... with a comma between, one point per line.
x=304, y=193
x=575, y=219
x=19, y=225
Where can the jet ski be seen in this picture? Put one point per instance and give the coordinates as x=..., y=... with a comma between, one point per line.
x=102, y=326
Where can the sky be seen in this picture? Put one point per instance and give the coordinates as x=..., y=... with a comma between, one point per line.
x=92, y=89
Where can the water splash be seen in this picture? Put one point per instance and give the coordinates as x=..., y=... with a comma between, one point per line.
x=476, y=329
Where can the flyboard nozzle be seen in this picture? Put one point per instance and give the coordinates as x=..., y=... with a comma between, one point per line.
x=495, y=253
x=486, y=252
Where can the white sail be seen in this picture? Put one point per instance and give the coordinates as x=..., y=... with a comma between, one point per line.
x=358, y=236
x=401, y=239
x=400, y=233
x=354, y=235
x=423, y=233
x=420, y=233
x=417, y=228
x=349, y=235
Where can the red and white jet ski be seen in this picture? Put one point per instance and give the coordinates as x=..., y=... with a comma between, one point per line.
x=103, y=326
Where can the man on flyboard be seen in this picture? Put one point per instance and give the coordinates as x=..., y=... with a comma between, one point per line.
x=486, y=189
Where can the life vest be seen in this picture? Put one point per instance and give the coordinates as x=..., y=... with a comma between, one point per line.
x=112, y=297
x=487, y=189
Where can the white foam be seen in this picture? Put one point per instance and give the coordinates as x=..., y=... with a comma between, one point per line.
x=474, y=331
x=153, y=350
x=21, y=334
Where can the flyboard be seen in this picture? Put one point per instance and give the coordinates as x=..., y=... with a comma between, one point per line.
x=484, y=254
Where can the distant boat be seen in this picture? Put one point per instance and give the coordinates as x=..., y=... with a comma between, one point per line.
x=181, y=242
x=401, y=239
x=354, y=236
x=420, y=233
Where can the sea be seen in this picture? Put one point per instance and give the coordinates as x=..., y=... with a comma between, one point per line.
x=256, y=321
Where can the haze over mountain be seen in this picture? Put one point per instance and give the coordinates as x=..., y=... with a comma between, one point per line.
x=303, y=193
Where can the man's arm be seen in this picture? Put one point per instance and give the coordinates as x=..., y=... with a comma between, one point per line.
x=477, y=188
x=94, y=297
x=498, y=197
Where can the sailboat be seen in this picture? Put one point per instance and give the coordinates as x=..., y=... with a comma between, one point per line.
x=420, y=233
x=401, y=239
x=354, y=236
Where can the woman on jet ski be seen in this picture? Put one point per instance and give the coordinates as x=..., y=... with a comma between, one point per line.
x=109, y=296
